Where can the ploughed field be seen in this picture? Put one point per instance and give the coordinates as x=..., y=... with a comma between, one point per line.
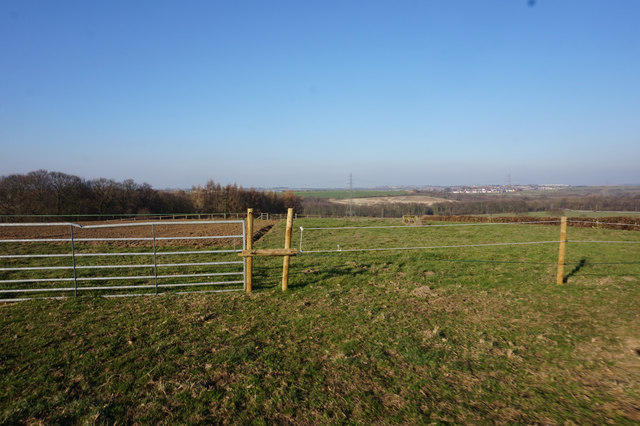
x=142, y=231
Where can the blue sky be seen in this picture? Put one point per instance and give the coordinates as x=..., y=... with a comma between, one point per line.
x=303, y=93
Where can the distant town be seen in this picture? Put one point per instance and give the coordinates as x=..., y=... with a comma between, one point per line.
x=459, y=189
x=500, y=189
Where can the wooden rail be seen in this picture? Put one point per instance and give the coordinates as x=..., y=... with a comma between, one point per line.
x=268, y=252
x=250, y=252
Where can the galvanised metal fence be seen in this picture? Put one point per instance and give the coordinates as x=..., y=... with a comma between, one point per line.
x=54, y=260
x=14, y=218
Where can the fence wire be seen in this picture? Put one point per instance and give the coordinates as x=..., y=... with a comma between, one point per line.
x=439, y=225
x=426, y=247
x=597, y=223
x=451, y=246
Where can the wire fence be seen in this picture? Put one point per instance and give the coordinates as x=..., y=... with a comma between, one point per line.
x=63, y=258
x=354, y=239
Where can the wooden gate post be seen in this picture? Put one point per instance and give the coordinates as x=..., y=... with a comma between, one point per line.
x=561, y=250
x=287, y=245
x=249, y=238
x=250, y=253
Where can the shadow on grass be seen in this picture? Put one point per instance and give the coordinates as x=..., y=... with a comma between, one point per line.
x=575, y=270
x=302, y=278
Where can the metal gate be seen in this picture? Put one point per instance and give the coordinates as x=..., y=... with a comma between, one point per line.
x=54, y=260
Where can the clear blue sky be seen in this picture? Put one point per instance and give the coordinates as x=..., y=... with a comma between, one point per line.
x=302, y=93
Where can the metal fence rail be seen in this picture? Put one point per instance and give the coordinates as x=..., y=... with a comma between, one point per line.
x=12, y=218
x=54, y=266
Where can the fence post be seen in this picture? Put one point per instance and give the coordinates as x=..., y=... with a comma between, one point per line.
x=287, y=245
x=561, y=250
x=249, y=237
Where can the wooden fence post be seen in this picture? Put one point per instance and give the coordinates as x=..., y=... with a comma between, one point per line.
x=561, y=250
x=249, y=238
x=287, y=245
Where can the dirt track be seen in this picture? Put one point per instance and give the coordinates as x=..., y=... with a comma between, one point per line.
x=164, y=229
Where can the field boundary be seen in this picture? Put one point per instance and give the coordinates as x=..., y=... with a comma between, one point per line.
x=613, y=222
x=561, y=242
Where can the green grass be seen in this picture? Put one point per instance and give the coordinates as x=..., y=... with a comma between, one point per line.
x=464, y=335
x=345, y=193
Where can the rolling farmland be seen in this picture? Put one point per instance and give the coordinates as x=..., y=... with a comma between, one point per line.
x=460, y=335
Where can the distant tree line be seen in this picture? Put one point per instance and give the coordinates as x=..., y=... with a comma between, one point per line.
x=481, y=204
x=596, y=202
x=54, y=193
x=231, y=198
x=323, y=207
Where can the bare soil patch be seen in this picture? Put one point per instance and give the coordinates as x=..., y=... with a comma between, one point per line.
x=422, y=292
x=398, y=199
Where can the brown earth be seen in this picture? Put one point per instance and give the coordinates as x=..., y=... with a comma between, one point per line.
x=396, y=199
x=172, y=228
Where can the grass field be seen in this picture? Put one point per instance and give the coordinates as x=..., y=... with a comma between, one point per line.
x=458, y=335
